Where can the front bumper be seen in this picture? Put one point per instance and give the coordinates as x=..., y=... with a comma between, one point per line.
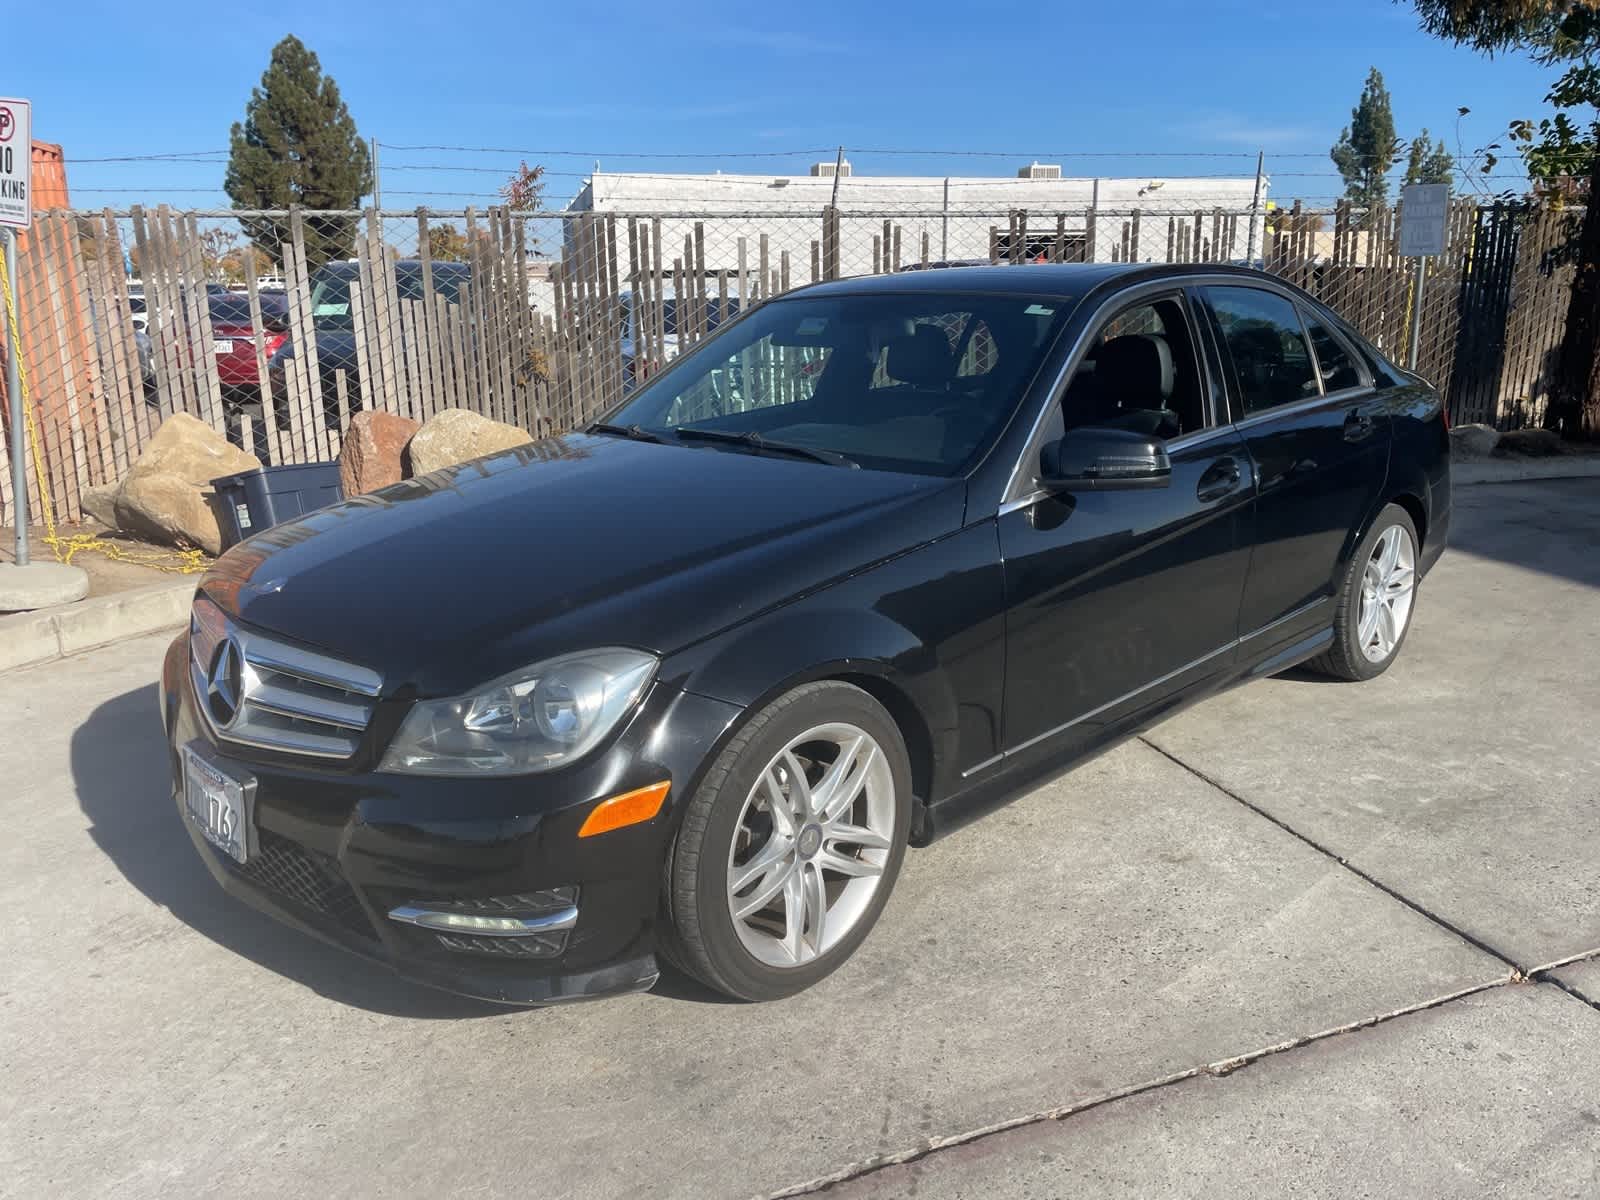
x=336, y=850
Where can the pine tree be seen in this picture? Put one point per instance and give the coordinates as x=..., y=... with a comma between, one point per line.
x=1367, y=150
x=1429, y=163
x=298, y=145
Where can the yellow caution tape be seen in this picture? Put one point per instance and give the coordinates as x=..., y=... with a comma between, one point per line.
x=177, y=562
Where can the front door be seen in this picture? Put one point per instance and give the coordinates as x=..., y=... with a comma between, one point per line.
x=1116, y=600
x=1319, y=438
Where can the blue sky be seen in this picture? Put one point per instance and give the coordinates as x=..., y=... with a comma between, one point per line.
x=1071, y=83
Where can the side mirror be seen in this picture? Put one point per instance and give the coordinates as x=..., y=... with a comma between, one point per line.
x=1096, y=459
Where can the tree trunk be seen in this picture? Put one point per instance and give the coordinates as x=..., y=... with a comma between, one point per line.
x=1575, y=407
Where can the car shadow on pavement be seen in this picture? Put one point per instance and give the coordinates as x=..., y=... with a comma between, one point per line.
x=119, y=767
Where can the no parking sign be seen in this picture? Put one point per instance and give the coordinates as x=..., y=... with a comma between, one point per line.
x=16, y=163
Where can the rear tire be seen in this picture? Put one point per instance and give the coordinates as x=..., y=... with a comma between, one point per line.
x=1376, y=600
x=803, y=821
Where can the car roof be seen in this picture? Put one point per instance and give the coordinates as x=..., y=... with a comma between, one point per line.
x=1052, y=280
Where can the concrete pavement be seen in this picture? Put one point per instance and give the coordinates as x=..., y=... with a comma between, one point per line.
x=1169, y=906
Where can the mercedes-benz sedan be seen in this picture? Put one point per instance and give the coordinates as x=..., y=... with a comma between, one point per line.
x=873, y=558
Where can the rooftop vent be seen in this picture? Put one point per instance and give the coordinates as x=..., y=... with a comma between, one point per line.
x=1040, y=171
x=824, y=170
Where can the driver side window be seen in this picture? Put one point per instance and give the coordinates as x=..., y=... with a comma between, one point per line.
x=1141, y=373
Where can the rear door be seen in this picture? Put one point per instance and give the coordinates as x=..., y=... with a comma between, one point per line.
x=1117, y=601
x=1316, y=431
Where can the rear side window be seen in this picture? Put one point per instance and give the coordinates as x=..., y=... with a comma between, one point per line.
x=1271, y=360
x=1339, y=370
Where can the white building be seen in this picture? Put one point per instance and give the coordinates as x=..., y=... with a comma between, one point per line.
x=957, y=218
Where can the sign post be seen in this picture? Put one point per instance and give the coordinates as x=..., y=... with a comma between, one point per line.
x=1424, y=213
x=16, y=212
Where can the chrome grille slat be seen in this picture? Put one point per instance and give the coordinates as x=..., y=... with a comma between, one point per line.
x=288, y=702
x=303, y=664
x=289, y=698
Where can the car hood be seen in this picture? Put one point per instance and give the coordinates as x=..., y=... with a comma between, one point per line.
x=453, y=578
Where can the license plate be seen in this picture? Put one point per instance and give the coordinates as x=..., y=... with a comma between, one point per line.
x=219, y=804
x=223, y=346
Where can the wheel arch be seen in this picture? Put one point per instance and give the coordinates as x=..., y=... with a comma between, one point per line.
x=859, y=647
x=1416, y=510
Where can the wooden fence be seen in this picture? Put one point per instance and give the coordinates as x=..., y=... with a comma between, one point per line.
x=548, y=318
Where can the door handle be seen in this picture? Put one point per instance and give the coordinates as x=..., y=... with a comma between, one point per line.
x=1221, y=478
x=1358, y=426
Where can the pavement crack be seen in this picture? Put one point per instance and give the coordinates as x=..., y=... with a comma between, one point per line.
x=1519, y=971
x=1547, y=974
x=1571, y=989
x=1218, y=1068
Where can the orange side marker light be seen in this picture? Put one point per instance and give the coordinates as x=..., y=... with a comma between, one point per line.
x=630, y=808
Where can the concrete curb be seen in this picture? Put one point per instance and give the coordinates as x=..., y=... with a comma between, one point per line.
x=50, y=633
x=1501, y=470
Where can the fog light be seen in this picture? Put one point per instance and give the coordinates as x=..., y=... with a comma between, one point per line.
x=484, y=925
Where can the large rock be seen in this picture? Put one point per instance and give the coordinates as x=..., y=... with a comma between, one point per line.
x=101, y=504
x=166, y=495
x=1536, y=443
x=455, y=436
x=370, y=456
x=193, y=451
x=162, y=507
x=1473, y=441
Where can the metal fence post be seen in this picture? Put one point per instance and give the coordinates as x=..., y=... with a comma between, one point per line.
x=19, y=434
x=1416, y=314
x=1255, y=209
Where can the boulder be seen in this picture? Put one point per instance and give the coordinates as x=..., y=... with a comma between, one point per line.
x=1535, y=443
x=100, y=503
x=166, y=495
x=193, y=451
x=1473, y=441
x=163, y=507
x=370, y=456
x=455, y=436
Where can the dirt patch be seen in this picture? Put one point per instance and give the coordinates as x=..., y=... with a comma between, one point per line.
x=107, y=575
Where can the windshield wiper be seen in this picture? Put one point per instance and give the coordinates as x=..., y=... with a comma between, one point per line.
x=762, y=445
x=637, y=433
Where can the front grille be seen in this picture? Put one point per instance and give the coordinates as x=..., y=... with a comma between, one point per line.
x=306, y=878
x=257, y=691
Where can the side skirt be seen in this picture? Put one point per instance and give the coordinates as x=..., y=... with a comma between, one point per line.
x=935, y=821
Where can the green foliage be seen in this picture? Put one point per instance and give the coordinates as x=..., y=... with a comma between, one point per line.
x=1367, y=148
x=1429, y=163
x=446, y=243
x=298, y=145
x=1556, y=33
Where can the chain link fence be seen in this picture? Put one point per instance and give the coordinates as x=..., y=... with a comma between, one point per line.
x=277, y=327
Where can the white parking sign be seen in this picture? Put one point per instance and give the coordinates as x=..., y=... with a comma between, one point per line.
x=16, y=163
x=1424, y=211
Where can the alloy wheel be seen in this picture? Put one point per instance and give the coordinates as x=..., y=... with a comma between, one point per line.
x=811, y=844
x=1388, y=587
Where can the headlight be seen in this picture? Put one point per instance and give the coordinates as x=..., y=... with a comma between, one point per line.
x=536, y=719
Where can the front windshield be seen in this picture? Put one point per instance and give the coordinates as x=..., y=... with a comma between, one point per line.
x=900, y=382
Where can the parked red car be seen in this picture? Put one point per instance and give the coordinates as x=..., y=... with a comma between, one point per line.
x=233, y=341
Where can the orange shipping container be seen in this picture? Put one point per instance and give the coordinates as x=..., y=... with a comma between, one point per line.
x=49, y=177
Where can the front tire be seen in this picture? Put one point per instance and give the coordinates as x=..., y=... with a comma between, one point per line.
x=791, y=844
x=1375, y=601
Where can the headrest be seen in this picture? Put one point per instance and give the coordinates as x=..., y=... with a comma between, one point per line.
x=923, y=358
x=1138, y=366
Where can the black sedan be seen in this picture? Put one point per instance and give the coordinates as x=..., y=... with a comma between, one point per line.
x=869, y=561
